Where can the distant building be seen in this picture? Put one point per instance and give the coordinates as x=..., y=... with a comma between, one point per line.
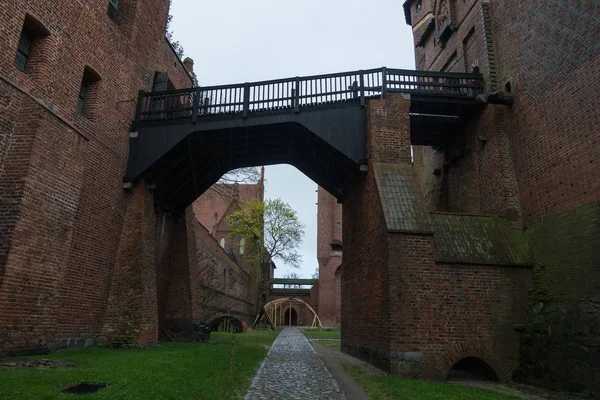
x=214, y=206
x=329, y=256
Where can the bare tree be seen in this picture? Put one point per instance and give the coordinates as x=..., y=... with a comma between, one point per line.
x=224, y=187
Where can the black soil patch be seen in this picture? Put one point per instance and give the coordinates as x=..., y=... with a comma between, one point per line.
x=85, y=388
x=39, y=364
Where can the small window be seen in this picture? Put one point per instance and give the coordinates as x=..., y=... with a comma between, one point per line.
x=88, y=93
x=242, y=243
x=418, y=5
x=113, y=6
x=222, y=242
x=23, y=50
x=81, y=99
x=338, y=225
x=29, y=42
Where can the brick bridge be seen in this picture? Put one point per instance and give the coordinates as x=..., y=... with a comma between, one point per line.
x=420, y=290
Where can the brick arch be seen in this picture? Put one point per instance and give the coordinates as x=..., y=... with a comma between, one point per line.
x=472, y=349
x=290, y=309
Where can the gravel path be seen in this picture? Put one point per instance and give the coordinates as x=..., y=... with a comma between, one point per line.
x=292, y=370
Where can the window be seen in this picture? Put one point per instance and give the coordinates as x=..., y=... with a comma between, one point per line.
x=338, y=225
x=29, y=43
x=242, y=243
x=222, y=242
x=88, y=93
x=418, y=5
x=113, y=6
x=23, y=50
x=81, y=99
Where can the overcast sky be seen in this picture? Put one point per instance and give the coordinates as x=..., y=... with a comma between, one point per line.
x=234, y=41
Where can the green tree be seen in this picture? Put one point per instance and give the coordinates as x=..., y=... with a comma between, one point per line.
x=272, y=229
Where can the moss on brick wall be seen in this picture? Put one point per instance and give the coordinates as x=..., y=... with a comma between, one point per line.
x=479, y=240
x=561, y=343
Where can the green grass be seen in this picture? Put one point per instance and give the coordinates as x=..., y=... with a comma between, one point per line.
x=169, y=371
x=389, y=387
x=332, y=344
x=324, y=333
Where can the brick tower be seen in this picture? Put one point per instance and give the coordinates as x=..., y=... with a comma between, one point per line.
x=329, y=256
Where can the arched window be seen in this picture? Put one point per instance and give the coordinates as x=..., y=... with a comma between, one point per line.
x=242, y=243
x=222, y=242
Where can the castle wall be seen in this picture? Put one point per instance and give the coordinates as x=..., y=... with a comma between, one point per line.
x=422, y=291
x=61, y=193
x=534, y=162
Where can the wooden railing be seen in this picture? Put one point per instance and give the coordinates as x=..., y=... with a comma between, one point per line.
x=297, y=93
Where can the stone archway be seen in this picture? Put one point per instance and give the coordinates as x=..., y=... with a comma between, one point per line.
x=290, y=317
x=472, y=368
x=477, y=360
x=274, y=310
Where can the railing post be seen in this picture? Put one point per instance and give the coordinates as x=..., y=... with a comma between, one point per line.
x=246, y=106
x=383, y=82
x=362, y=88
x=205, y=104
x=297, y=96
x=196, y=104
x=138, y=108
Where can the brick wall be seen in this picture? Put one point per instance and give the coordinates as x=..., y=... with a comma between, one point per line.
x=420, y=292
x=60, y=174
x=365, y=284
x=329, y=231
x=560, y=346
x=132, y=316
x=536, y=165
x=218, y=285
x=445, y=312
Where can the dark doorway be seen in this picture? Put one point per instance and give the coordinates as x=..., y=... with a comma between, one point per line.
x=290, y=320
x=472, y=369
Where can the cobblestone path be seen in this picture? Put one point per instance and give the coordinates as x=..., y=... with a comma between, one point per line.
x=292, y=370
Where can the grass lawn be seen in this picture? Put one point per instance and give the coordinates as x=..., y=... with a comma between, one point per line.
x=332, y=344
x=169, y=371
x=388, y=387
x=323, y=333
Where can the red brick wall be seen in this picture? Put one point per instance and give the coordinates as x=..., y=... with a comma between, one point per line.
x=218, y=284
x=177, y=303
x=385, y=118
x=328, y=231
x=365, y=285
x=538, y=165
x=401, y=310
x=447, y=312
x=39, y=186
x=131, y=316
x=65, y=169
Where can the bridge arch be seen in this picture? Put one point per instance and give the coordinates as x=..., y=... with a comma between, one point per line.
x=182, y=144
